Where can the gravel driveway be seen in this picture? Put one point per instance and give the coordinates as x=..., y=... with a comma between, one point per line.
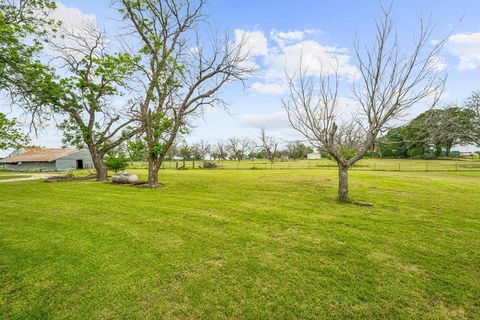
x=30, y=177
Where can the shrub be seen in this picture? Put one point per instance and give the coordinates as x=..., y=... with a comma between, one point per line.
x=116, y=162
x=208, y=165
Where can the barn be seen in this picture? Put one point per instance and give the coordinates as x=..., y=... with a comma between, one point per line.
x=48, y=159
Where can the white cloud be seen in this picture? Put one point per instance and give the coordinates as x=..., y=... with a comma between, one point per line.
x=283, y=38
x=466, y=47
x=315, y=57
x=439, y=63
x=313, y=31
x=71, y=17
x=75, y=24
x=255, y=41
x=268, y=88
x=287, y=49
x=272, y=121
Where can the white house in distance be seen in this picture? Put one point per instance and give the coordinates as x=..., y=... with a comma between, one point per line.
x=47, y=159
x=315, y=155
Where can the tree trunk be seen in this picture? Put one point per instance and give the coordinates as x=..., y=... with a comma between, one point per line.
x=342, y=183
x=100, y=167
x=153, y=167
x=448, y=149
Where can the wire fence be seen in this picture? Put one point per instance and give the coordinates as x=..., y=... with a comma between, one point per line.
x=365, y=165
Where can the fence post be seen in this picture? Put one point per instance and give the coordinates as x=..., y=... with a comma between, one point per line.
x=399, y=166
x=426, y=166
x=176, y=165
x=193, y=164
x=456, y=166
x=374, y=166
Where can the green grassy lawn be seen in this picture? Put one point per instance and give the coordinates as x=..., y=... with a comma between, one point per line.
x=263, y=244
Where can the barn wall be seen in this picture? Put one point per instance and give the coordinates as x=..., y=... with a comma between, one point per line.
x=31, y=166
x=70, y=160
x=67, y=162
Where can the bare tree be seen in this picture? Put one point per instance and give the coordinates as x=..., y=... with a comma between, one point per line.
x=203, y=148
x=91, y=80
x=179, y=76
x=390, y=83
x=269, y=145
x=238, y=148
x=220, y=151
x=173, y=150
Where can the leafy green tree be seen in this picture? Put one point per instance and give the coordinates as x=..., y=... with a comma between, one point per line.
x=82, y=88
x=457, y=125
x=297, y=150
x=185, y=152
x=260, y=155
x=405, y=141
x=24, y=26
x=473, y=105
x=178, y=82
x=440, y=129
x=10, y=134
x=92, y=79
x=136, y=149
x=116, y=161
x=433, y=133
x=394, y=144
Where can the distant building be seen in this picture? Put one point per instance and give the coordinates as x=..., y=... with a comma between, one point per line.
x=314, y=156
x=468, y=154
x=47, y=159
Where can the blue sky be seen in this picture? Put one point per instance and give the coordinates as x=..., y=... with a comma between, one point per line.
x=323, y=28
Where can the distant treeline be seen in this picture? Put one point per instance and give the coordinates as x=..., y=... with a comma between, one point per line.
x=433, y=133
x=230, y=149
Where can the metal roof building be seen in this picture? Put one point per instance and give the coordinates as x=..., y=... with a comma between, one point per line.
x=48, y=159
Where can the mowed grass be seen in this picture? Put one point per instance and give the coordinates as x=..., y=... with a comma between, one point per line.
x=264, y=244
